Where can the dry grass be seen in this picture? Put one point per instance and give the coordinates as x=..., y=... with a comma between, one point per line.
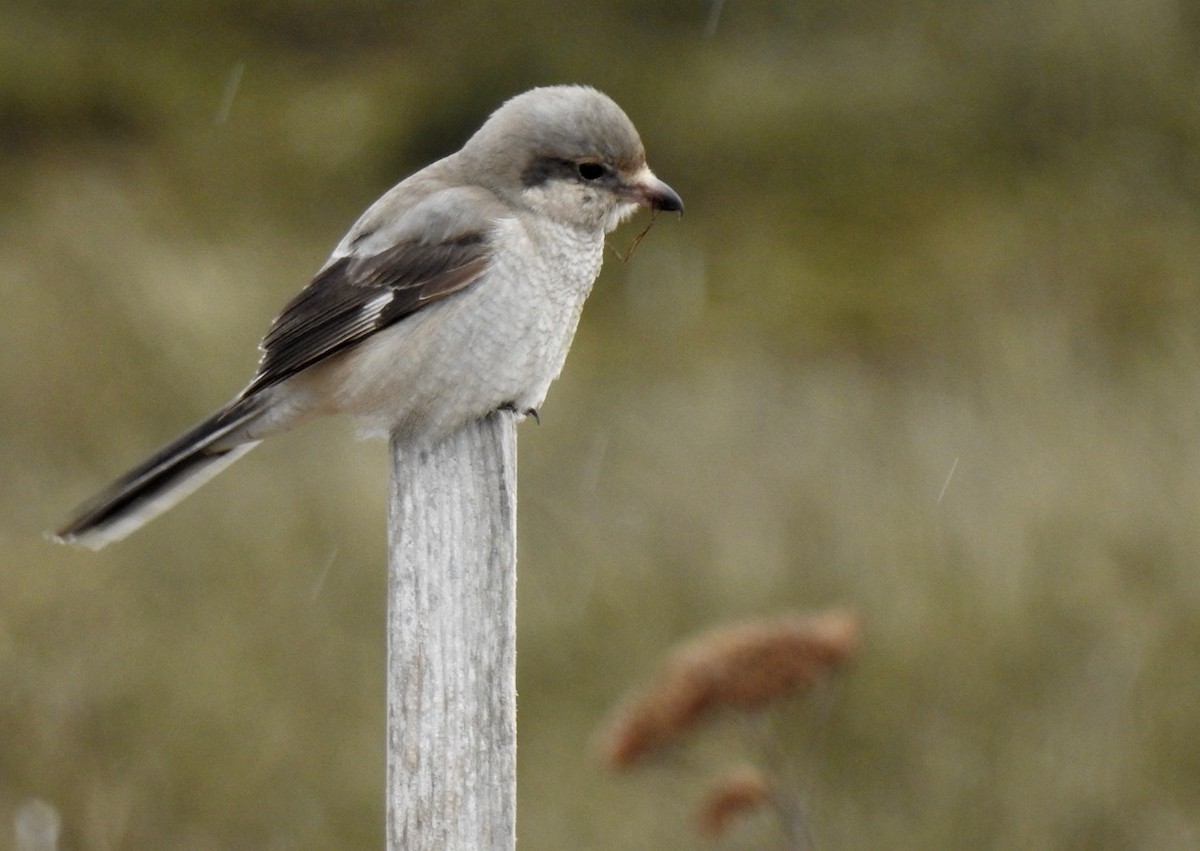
x=745, y=667
x=757, y=668
x=926, y=342
x=737, y=793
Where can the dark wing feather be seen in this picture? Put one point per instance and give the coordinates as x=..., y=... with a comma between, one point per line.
x=353, y=298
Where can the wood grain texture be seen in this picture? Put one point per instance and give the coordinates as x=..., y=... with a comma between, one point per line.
x=451, y=726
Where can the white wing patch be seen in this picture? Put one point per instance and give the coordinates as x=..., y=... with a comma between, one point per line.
x=373, y=309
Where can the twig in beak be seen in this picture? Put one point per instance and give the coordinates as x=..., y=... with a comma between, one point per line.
x=637, y=240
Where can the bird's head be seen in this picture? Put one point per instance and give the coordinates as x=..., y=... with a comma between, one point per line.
x=568, y=152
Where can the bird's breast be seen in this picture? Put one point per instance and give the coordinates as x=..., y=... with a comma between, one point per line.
x=501, y=341
x=542, y=274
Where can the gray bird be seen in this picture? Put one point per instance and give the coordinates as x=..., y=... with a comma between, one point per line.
x=455, y=294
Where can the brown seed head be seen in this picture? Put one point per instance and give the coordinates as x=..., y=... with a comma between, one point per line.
x=745, y=667
x=741, y=791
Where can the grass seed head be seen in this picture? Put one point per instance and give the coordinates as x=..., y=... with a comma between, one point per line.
x=745, y=667
x=741, y=791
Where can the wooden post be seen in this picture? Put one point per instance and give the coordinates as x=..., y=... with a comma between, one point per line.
x=451, y=691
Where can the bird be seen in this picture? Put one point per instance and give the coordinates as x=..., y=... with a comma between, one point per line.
x=457, y=293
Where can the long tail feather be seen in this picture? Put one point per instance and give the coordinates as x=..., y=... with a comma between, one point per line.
x=162, y=480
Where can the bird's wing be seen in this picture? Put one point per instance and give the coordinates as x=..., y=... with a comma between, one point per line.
x=355, y=296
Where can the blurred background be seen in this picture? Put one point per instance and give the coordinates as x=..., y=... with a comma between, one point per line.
x=926, y=344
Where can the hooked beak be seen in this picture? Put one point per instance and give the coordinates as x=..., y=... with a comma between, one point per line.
x=648, y=191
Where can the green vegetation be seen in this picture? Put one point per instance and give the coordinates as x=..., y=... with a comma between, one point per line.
x=927, y=344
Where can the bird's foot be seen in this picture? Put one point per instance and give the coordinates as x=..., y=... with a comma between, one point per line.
x=527, y=412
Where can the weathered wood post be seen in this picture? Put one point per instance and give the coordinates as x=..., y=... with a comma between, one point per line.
x=451, y=661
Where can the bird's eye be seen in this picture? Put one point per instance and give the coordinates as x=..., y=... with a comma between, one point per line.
x=592, y=171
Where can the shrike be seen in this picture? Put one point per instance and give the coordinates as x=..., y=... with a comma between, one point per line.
x=456, y=293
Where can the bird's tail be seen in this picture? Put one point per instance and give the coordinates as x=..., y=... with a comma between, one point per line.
x=162, y=480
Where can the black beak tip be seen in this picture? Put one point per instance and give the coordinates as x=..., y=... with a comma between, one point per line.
x=667, y=200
